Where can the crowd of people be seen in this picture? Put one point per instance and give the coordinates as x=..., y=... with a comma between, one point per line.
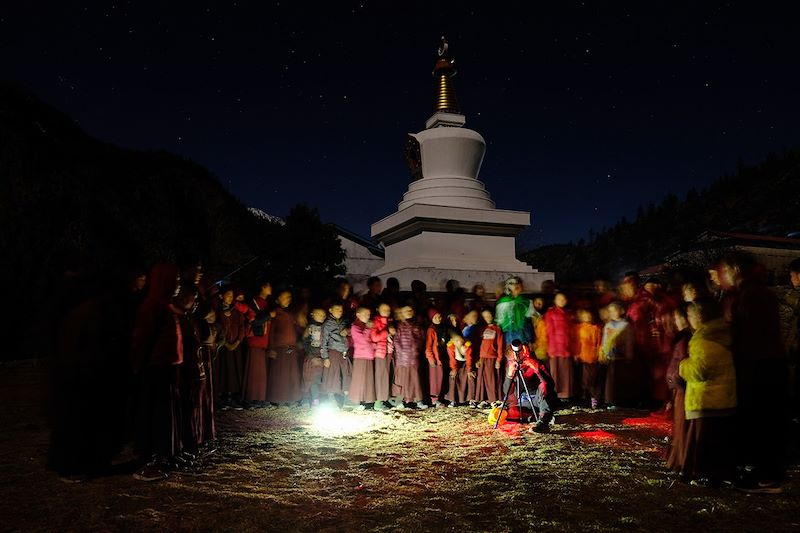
x=711, y=351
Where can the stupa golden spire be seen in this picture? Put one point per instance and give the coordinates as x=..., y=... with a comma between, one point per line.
x=443, y=70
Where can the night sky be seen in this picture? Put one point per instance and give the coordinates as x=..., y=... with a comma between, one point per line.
x=588, y=110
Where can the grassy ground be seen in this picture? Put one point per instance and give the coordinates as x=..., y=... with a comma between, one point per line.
x=438, y=470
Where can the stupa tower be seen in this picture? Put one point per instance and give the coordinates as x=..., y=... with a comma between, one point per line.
x=446, y=226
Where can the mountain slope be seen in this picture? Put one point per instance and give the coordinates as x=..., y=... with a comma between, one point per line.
x=760, y=199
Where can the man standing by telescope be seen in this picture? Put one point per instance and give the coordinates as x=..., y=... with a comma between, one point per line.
x=533, y=384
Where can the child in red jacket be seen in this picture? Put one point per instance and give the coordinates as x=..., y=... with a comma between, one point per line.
x=491, y=357
x=381, y=335
x=462, y=373
x=559, y=323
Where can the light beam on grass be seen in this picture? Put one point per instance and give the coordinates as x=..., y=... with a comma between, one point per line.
x=330, y=421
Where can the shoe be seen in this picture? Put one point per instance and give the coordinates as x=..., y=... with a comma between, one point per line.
x=399, y=407
x=315, y=403
x=483, y=405
x=359, y=407
x=452, y=404
x=611, y=407
x=422, y=406
x=439, y=405
x=541, y=426
x=150, y=473
x=378, y=406
x=473, y=404
x=594, y=403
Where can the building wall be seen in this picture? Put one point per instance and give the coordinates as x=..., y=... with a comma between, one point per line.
x=454, y=251
x=360, y=263
x=775, y=260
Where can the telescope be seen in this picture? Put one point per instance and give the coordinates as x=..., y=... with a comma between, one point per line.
x=516, y=348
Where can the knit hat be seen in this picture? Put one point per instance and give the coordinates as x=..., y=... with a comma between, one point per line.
x=432, y=312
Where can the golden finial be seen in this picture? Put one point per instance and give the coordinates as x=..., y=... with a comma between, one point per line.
x=443, y=70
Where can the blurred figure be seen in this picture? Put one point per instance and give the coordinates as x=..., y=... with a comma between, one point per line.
x=650, y=315
x=539, y=329
x=462, y=371
x=514, y=314
x=761, y=370
x=381, y=335
x=559, y=324
x=456, y=302
x=689, y=292
x=362, y=383
x=391, y=293
x=436, y=339
x=471, y=329
x=407, y=344
x=209, y=333
x=313, y=363
x=335, y=350
x=419, y=296
x=587, y=345
x=478, y=302
x=790, y=330
x=256, y=369
x=617, y=354
x=603, y=295
x=489, y=362
x=548, y=287
x=284, y=373
x=192, y=376
x=89, y=381
x=229, y=362
x=372, y=298
x=680, y=351
x=157, y=353
x=710, y=400
x=344, y=294
x=629, y=287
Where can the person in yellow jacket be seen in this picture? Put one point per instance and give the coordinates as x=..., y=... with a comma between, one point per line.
x=710, y=400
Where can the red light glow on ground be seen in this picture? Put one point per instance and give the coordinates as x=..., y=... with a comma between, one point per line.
x=597, y=435
x=657, y=422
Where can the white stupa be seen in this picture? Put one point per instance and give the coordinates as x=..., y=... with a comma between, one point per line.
x=446, y=226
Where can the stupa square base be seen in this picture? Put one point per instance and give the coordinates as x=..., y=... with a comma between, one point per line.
x=436, y=278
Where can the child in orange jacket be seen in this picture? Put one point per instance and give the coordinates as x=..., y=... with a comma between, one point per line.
x=586, y=338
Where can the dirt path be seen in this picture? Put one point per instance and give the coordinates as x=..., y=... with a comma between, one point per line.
x=439, y=470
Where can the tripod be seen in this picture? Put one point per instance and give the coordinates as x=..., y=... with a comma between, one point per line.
x=517, y=381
